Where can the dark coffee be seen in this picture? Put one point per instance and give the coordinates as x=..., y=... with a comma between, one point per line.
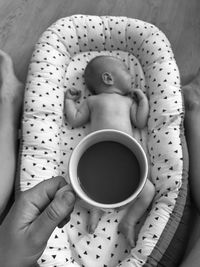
x=108, y=172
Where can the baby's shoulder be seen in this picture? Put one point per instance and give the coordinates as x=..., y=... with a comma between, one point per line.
x=92, y=100
x=99, y=101
x=95, y=98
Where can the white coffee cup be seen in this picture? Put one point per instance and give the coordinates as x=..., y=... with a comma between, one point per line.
x=100, y=136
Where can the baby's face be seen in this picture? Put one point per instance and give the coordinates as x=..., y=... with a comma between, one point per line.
x=121, y=74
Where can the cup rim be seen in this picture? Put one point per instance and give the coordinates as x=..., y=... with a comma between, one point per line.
x=109, y=132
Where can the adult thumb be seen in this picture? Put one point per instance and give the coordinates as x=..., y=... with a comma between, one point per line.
x=58, y=209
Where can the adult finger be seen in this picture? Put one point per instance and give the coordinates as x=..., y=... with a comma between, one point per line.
x=43, y=193
x=64, y=221
x=60, y=207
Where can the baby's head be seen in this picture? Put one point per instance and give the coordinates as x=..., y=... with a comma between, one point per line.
x=107, y=73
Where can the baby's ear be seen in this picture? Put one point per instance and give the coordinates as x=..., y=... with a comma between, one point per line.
x=107, y=78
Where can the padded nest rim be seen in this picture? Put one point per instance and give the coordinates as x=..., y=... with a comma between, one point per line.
x=68, y=37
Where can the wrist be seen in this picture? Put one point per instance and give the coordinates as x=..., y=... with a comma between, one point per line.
x=8, y=259
x=18, y=263
x=8, y=118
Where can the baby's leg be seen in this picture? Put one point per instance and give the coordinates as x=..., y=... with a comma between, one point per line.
x=11, y=95
x=135, y=211
x=191, y=94
x=127, y=226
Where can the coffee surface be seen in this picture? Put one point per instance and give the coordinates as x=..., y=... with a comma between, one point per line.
x=108, y=172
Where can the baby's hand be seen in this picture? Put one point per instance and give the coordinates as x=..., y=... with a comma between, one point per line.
x=137, y=95
x=73, y=94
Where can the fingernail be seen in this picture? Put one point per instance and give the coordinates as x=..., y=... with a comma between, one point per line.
x=69, y=198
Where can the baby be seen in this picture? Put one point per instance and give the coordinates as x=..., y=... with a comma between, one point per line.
x=113, y=105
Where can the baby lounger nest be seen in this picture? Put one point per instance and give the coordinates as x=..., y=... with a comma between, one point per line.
x=57, y=64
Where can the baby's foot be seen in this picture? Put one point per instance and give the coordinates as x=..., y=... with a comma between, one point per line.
x=128, y=230
x=11, y=90
x=191, y=93
x=95, y=215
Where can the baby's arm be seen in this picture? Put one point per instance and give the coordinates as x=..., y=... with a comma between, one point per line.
x=76, y=116
x=135, y=212
x=139, y=109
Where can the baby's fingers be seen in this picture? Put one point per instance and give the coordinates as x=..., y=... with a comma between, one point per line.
x=75, y=92
x=138, y=94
